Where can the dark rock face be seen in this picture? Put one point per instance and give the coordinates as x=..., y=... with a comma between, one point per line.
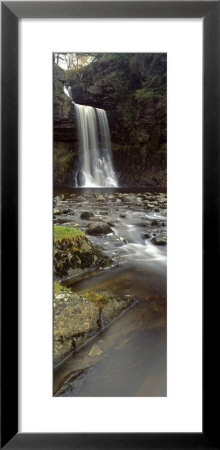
x=137, y=125
x=65, y=149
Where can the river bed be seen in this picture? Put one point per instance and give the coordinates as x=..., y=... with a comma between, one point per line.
x=129, y=357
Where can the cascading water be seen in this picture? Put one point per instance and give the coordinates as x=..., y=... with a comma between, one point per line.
x=68, y=91
x=95, y=162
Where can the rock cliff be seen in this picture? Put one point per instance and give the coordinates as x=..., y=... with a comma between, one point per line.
x=132, y=90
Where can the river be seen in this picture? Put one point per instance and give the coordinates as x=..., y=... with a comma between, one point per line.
x=130, y=357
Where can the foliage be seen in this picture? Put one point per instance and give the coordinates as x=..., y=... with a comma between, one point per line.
x=133, y=76
x=144, y=94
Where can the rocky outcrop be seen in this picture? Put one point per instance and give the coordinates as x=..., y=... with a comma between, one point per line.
x=74, y=253
x=65, y=147
x=75, y=320
x=78, y=318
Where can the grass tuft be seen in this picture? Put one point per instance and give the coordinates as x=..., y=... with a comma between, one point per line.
x=60, y=233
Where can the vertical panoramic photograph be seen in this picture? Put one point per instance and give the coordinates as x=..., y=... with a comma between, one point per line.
x=109, y=224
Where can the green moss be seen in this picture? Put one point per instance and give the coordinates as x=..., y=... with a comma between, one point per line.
x=98, y=298
x=61, y=233
x=63, y=160
x=57, y=288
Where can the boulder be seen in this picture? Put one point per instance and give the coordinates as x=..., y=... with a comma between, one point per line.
x=57, y=211
x=99, y=198
x=86, y=215
x=76, y=252
x=98, y=229
x=59, y=197
x=159, y=239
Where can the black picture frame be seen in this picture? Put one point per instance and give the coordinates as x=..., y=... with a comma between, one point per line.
x=11, y=12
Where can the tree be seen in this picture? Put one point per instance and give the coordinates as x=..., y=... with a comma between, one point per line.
x=58, y=57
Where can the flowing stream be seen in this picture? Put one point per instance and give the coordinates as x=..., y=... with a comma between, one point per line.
x=95, y=157
x=131, y=359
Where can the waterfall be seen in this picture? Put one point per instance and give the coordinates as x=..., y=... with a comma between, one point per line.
x=95, y=161
x=68, y=91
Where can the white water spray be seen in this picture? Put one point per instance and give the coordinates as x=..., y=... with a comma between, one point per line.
x=95, y=162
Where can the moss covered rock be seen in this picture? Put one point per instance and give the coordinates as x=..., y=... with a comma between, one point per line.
x=73, y=250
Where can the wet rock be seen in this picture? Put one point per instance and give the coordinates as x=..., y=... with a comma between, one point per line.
x=99, y=197
x=114, y=308
x=64, y=208
x=111, y=224
x=98, y=228
x=143, y=223
x=61, y=350
x=68, y=381
x=127, y=198
x=138, y=200
x=79, y=317
x=148, y=205
x=95, y=351
x=159, y=239
x=57, y=211
x=86, y=215
x=81, y=199
x=162, y=198
x=146, y=235
x=59, y=198
x=155, y=223
x=78, y=253
x=122, y=214
x=104, y=212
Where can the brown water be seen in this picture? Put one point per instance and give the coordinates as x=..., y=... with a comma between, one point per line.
x=129, y=357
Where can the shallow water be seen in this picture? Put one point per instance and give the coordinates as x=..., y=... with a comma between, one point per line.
x=129, y=357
